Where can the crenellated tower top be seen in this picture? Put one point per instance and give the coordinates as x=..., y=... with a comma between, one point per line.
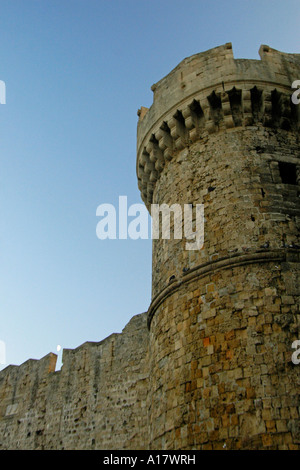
x=211, y=92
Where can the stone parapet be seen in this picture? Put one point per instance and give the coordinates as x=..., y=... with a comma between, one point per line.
x=208, y=92
x=96, y=401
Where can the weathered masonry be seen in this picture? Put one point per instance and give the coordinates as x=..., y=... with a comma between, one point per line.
x=209, y=365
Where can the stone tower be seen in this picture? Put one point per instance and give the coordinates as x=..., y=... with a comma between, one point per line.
x=224, y=133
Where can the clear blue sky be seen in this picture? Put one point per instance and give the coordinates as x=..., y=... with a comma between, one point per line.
x=76, y=72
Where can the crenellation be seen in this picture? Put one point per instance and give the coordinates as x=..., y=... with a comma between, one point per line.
x=224, y=104
x=100, y=386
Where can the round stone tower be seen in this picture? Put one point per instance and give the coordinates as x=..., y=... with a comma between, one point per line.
x=223, y=134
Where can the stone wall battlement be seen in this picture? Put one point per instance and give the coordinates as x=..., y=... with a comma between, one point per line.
x=92, y=398
x=211, y=92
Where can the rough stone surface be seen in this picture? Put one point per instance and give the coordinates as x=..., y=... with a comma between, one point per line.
x=222, y=133
x=209, y=366
x=96, y=401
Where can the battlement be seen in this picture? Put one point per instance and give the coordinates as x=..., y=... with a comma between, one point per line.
x=99, y=391
x=211, y=92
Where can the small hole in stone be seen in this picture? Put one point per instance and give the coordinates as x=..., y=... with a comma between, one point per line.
x=288, y=173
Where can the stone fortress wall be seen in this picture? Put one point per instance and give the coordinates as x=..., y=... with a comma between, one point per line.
x=209, y=365
x=96, y=401
x=222, y=132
